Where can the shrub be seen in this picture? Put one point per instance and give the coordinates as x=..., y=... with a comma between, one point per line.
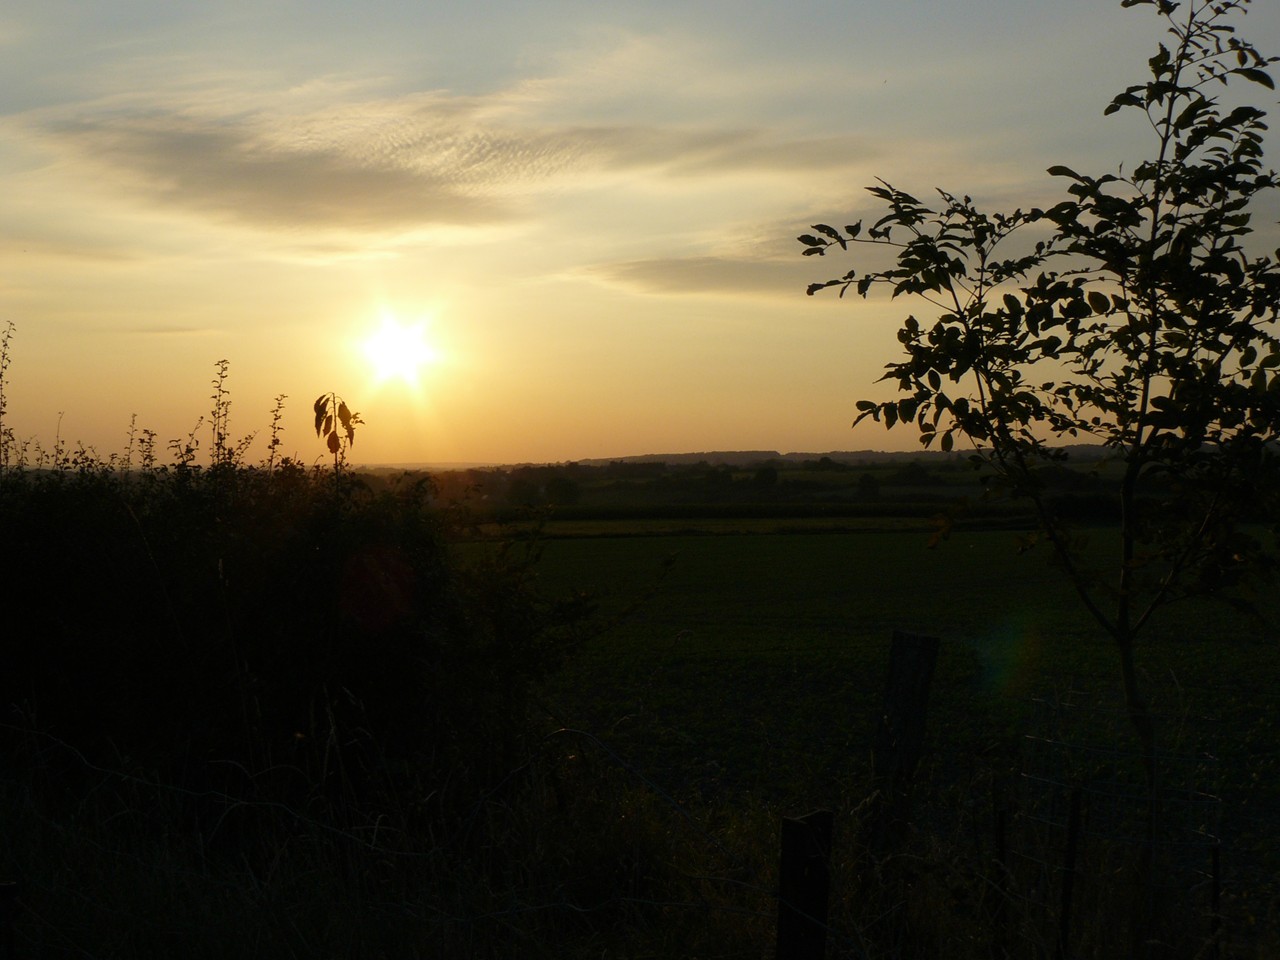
x=189, y=622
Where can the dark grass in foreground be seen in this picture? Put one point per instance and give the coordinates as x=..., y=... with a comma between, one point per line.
x=755, y=670
x=638, y=817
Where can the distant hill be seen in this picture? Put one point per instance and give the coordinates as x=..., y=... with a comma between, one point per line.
x=733, y=458
x=740, y=458
x=1076, y=453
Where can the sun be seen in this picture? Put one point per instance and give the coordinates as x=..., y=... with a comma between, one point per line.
x=399, y=351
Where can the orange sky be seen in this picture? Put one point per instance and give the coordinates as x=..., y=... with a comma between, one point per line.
x=581, y=215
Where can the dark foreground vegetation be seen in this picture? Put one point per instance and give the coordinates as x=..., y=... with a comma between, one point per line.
x=863, y=485
x=267, y=710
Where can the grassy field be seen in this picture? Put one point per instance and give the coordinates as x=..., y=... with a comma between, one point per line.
x=394, y=793
x=752, y=666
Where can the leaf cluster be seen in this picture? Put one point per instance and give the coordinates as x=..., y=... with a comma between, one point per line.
x=335, y=422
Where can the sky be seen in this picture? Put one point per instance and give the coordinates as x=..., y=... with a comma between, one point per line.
x=569, y=225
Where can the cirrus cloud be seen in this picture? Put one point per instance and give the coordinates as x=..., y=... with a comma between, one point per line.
x=708, y=275
x=226, y=169
x=397, y=165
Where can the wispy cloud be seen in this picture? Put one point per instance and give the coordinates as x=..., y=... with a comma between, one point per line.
x=156, y=330
x=394, y=165
x=333, y=153
x=226, y=168
x=41, y=244
x=706, y=275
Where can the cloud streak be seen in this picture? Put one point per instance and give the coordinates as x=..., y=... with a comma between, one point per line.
x=393, y=166
x=707, y=275
x=225, y=169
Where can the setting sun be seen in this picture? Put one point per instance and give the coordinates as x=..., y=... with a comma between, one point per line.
x=399, y=351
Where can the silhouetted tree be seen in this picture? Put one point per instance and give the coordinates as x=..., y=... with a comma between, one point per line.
x=1140, y=322
x=717, y=482
x=765, y=478
x=523, y=488
x=562, y=490
x=913, y=474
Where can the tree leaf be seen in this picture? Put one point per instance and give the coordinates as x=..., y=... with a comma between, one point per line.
x=1256, y=76
x=831, y=232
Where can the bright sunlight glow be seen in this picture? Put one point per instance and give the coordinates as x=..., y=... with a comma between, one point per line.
x=399, y=351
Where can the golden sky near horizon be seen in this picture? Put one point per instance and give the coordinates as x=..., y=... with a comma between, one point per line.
x=502, y=231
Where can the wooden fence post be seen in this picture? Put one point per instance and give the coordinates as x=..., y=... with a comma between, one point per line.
x=804, y=886
x=1069, y=857
x=999, y=913
x=8, y=916
x=1215, y=902
x=899, y=738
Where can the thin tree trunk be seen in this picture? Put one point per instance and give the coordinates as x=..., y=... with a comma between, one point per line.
x=1144, y=725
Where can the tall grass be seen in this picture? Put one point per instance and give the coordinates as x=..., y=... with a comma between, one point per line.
x=248, y=706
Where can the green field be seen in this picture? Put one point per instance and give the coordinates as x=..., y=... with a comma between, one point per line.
x=753, y=666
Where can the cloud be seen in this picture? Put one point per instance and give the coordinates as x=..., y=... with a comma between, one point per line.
x=157, y=330
x=759, y=152
x=708, y=275
x=395, y=165
x=763, y=259
x=340, y=157
x=40, y=244
x=227, y=169
x=690, y=153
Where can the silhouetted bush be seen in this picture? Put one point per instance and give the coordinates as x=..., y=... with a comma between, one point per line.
x=183, y=621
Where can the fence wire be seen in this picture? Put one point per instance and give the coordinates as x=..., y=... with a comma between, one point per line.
x=1085, y=807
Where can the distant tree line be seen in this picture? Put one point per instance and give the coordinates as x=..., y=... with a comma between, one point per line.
x=1082, y=489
